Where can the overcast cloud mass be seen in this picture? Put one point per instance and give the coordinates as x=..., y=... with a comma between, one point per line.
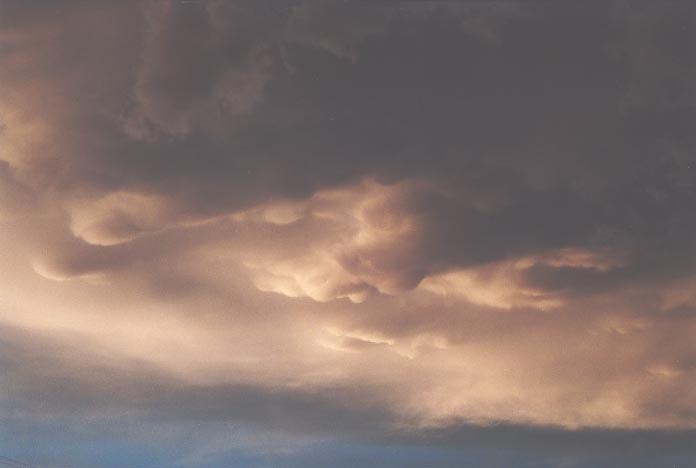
x=348, y=234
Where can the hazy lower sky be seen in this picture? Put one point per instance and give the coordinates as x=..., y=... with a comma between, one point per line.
x=318, y=234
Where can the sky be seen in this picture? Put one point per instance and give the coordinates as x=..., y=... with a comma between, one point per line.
x=325, y=233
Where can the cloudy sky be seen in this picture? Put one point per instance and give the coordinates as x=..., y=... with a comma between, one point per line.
x=314, y=234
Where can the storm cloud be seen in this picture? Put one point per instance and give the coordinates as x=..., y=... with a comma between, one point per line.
x=438, y=226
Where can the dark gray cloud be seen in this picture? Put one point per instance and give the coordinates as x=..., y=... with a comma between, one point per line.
x=362, y=213
x=68, y=381
x=70, y=387
x=536, y=127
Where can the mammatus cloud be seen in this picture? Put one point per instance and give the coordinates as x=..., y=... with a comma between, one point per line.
x=432, y=224
x=461, y=342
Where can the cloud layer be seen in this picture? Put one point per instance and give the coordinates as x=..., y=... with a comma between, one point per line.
x=430, y=221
